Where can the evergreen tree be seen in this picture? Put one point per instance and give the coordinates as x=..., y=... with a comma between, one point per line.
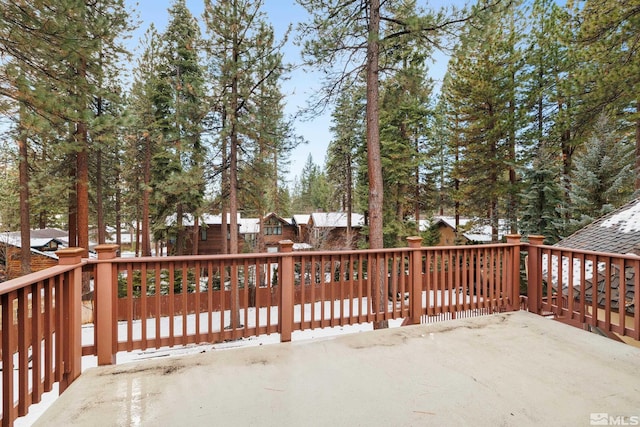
x=547, y=126
x=9, y=184
x=404, y=112
x=608, y=76
x=342, y=152
x=437, y=188
x=542, y=211
x=143, y=139
x=245, y=64
x=603, y=174
x=260, y=174
x=313, y=192
x=62, y=49
x=482, y=94
x=178, y=177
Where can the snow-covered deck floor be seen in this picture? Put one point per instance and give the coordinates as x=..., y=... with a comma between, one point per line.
x=506, y=369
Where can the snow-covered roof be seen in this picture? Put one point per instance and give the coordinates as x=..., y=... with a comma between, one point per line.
x=302, y=247
x=51, y=233
x=301, y=219
x=276, y=216
x=616, y=232
x=336, y=219
x=249, y=225
x=49, y=254
x=210, y=219
x=13, y=239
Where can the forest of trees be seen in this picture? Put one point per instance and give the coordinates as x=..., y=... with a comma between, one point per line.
x=536, y=122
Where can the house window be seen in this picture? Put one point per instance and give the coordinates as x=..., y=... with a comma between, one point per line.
x=273, y=227
x=272, y=230
x=203, y=233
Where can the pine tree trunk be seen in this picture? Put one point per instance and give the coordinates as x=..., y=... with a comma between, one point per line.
x=99, y=186
x=233, y=180
x=374, y=162
x=146, y=243
x=73, y=202
x=349, y=201
x=82, y=169
x=179, y=250
x=82, y=189
x=25, y=221
x=196, y=234
x=99, y=203
x=224, y=190
x=637, y=182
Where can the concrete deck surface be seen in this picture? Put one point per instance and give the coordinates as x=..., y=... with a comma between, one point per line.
x=513, y=369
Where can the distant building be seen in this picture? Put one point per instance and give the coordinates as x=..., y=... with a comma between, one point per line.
x=301, y=224
x=469, y=231
x=43, y=243
x=276, y=229
x=250, y=239
x=329, y=230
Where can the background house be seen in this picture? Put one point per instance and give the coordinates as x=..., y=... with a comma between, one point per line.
x=469, y=231
x=43, y=243
x=301, y=224
x=329, y=230
x=275, y=229
x=210, y=235
x=250, y=238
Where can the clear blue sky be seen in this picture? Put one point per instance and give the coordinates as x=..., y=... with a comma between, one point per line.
x=300, y=85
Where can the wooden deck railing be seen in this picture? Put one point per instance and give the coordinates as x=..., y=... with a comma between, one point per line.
x=41, y=341
x=154, y=302
x=591, y=290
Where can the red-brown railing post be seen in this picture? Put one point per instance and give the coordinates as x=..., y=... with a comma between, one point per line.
x=285, y=311
x=415, y=267
x=104, y=308
x=72, y=316
x=514, y=272
x=534, y=279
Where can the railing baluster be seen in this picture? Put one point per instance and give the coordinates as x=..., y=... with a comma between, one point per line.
x=622, y=294
x=607, y=294
x=129, y=297
x=36, y=342
x=157, y=267
x=636, y=300
x=582, y=317
x=197, y=309
x=59, y=328
x=8, y=340
x=571, y=281
x=23, y=352
x=143, y=305
x=48, y=326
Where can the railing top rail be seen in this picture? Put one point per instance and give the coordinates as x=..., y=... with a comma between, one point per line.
x=38, y=276
x=471, y=247
x=235, y=257
x=553, y=248
x=181, y=258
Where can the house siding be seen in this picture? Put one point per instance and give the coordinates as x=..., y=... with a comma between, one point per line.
x=38, y=262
